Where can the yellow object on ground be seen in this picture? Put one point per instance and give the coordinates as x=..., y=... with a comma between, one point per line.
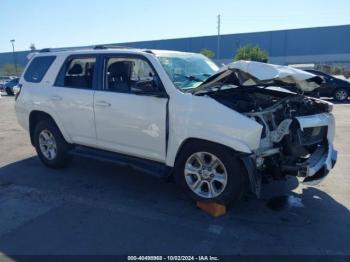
x=213, y=209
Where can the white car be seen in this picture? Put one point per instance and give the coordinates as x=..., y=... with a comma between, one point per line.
x=218, y=132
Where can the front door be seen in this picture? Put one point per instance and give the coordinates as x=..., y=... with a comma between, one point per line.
x=130, y=122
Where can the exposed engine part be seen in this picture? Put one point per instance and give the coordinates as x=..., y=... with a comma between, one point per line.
x=255, y=99
x=282, y=130
x=284, y=144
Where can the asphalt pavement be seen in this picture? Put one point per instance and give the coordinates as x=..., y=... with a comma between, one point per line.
x=99, y=208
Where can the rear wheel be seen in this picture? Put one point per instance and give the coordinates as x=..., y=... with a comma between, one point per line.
x=50, y=145
x=341, y=95
x=210, y=172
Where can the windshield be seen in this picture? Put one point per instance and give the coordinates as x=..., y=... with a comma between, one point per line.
x=186, y=70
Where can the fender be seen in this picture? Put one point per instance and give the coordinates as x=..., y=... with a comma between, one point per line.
x=204, y=118
x=54, y=117
x=230, y=142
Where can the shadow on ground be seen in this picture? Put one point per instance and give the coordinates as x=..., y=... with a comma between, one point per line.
x=99, y=208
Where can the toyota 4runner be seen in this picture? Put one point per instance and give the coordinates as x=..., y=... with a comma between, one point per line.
x=217, y=132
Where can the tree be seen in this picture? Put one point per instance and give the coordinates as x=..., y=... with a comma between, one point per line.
x=207, y=52
x=337, y=70
x=32, y=47
x=10, y=69
x=251, y=53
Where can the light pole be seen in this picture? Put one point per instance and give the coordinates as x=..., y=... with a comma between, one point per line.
x=218, y=38
x=14, y=54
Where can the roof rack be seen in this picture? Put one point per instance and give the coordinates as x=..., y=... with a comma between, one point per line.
x=148, y=51
x=96, y=47
x=46, y=50
x=112, y=46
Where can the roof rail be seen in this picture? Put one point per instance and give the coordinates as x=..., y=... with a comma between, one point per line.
x=123, y=47
x=112, y=46
x=148, y=51
x=46, y=50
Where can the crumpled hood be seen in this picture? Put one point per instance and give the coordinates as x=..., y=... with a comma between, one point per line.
x=250, y=73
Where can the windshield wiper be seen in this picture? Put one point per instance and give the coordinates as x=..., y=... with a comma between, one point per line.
x=190, y=77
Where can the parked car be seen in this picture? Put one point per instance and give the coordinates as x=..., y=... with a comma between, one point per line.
x=3, y=81
x=217, y=132
x=9, y=86
x=334, y=87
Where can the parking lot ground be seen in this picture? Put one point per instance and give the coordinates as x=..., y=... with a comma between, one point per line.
x=94, y=207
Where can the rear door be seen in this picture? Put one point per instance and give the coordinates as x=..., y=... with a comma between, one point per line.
x=128, y=122
x=72, y=98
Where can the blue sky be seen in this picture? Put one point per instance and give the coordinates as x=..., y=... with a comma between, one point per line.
x=49, y=23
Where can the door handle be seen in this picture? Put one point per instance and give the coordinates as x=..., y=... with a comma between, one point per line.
x=56, y=98
x=102, y=104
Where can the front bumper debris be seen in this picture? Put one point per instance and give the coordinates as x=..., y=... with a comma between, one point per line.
x=316, y=168
x=313, y=170
x=316, y=131
x=319, y=168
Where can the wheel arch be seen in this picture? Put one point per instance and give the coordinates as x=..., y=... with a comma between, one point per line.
x=175, y=149
x=36, y=116
x=194, y=140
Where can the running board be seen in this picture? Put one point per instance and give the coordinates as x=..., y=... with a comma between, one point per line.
x=147, y=166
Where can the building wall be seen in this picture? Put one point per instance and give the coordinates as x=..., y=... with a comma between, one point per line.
x=7, y=58
x=308, y=45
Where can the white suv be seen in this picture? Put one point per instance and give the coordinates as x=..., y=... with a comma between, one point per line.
x=218, y=132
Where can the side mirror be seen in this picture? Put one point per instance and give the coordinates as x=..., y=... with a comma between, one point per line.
x=148, y=87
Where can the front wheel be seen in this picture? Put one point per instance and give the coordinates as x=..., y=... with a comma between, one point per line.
x=50, y=145
x=210, y=172
x=341, y=95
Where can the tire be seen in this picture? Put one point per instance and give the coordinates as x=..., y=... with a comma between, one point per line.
x=53, y=158
x=236, y=174
x=341, y=95
x=9, y=91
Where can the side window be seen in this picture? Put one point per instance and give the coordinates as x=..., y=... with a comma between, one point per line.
x=38, y=68
x=141, y=71
x=124, y=74
x=321, y=74
x=78, y=73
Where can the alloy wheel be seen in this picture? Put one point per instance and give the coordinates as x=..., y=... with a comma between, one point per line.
x=341, y=95
x=205, y=174
x=47, y=144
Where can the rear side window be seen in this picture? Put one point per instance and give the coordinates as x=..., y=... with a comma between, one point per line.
x=38, y=68
x=77, y=72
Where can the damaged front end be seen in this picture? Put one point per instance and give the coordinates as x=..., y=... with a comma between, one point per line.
x=298, y=131
x=297, y=135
